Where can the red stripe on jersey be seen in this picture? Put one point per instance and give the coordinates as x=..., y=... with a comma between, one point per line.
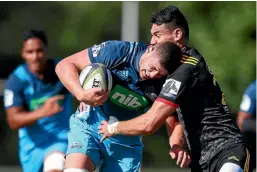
x=167, y=102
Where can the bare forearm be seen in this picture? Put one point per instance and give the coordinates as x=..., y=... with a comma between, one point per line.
x=177, y=136
x=136, y=126
x=68, y=75
x=171, y=123
x=175, y=131
x=147, y=123
x=23, y=119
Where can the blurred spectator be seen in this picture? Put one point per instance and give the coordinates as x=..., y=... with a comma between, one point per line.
x=38, y=105
x=246, y=120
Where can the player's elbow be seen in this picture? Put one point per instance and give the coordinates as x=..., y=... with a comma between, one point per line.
x=61, y=67
x=58, y=68
x=14, y=127
x=12, y=124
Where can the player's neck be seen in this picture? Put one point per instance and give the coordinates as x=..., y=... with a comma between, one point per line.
x=39, y=73
x=182, y=45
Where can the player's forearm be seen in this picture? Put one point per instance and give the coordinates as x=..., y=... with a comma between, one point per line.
x=177, y=136
x=145, y=124
x=175, y=131
x=171, y=123
x=136, y=126
x=68, y=75
x=23, y=119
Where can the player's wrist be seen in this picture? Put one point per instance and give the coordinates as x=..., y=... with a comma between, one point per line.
x=80, y=95
x=41, y=112
x=113, y=128
x=177, y=141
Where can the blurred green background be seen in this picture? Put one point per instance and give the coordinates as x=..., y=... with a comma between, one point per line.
x=223, y=32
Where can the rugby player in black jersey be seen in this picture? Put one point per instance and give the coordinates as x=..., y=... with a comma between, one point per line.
x=214, y=139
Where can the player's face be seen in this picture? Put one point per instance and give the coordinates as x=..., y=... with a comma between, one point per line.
x=164, y=33
x=150, y=66
x=34, y=55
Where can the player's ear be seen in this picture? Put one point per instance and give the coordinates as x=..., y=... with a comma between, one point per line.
x=178, y=34
x=22, y=53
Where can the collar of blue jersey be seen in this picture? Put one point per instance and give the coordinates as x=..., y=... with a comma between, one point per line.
x=34, y=75
x=26, y=67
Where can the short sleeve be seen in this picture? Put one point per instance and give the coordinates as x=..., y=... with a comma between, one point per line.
x=248, y=103
x=110, y=53
x=176, y=85
x=13, y=96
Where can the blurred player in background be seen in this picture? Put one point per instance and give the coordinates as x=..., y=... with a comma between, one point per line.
x=39, y=106
x=192, y=91
x=246, y=120
x=132, y=65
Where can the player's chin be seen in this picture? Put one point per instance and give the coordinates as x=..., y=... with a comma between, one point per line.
x=143, y=76
x=36, y=67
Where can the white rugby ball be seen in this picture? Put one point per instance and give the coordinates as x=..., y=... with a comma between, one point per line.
x=96, y=75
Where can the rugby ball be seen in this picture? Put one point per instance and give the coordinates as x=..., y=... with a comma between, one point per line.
x=96, y=75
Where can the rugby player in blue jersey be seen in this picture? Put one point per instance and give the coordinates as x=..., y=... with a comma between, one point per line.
x=39, y=107
x=132, y=65
x=246, y=120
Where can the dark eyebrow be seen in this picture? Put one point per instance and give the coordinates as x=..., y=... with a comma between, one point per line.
x=154, y=32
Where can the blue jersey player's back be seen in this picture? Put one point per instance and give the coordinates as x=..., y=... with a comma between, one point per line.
x=36, y=141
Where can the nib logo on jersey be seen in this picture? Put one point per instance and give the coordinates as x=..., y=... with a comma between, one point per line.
x=127, y=99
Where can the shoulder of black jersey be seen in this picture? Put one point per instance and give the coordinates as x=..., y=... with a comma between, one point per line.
x=189, y=60
x=191, y=56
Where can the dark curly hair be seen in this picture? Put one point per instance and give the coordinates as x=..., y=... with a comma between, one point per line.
x=171, y=14
x=40, y=34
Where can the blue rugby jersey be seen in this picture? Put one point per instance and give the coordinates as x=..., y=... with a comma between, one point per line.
x=248, y=103
x=127, y=99
x=24, y=89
